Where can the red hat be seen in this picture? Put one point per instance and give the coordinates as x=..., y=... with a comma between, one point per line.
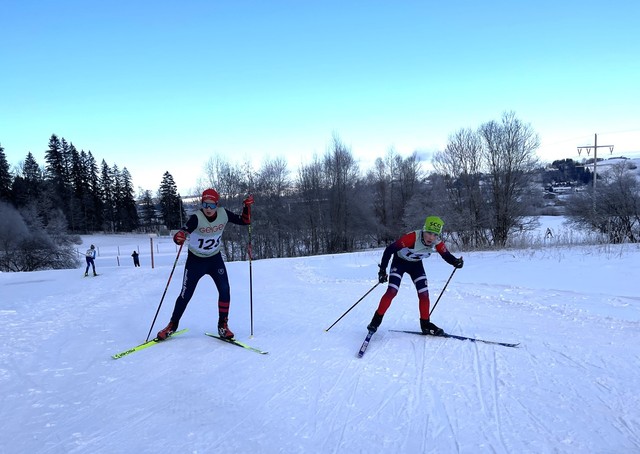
x=210, y=195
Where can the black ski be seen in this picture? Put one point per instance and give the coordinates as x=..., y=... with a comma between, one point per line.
x=365, y=344
x=455, y=336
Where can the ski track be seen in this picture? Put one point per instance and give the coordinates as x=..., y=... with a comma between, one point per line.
x=340, y=422
x=409, y=393
x=442, y=421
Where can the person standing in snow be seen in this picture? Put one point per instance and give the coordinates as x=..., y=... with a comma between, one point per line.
x=136, y=259
x=408, y=252
x=204, y=229
x=90, y=256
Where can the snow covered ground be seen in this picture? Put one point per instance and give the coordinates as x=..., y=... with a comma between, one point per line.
x=571, y=387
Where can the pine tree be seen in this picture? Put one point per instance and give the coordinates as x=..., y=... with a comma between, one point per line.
x=106, y=190
x=56, y=176
x=148, y=211
x=5, y=178
x=170, y=203
x=54, y=167
x=116, y=184
x=77, y=218
x=33, y=174
x=19, y=190
x=29, y=182
x=66, y=150
x=127, y=210
x=93, y=199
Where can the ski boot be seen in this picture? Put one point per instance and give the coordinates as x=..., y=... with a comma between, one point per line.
x=223, y=329
x=429, y=328
x=375, y=322
x=167, y=331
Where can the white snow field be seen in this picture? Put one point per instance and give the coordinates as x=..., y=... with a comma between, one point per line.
x=571, y=387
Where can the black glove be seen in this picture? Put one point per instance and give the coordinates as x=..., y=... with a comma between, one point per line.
x=458, y=263
x=382, y=276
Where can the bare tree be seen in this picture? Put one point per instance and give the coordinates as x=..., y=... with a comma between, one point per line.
x=312, y=189
x=13, y=231
x=488, y=176
x=273, y=178
x=231, y=181
x=613, y=210
x=461, y=165
x=226, y=178
x=28, y=244
x=380, y=180
x=397, y=187
x=274, y=227
x=509, y=153
x=342, y=172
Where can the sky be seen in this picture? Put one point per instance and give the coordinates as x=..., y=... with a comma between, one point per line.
x=160, y=86
x=570, y=387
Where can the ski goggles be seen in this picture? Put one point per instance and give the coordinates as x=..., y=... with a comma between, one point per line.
x=209, y=205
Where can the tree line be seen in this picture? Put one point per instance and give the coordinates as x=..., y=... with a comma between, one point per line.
x=45, y=208
x=486, y=184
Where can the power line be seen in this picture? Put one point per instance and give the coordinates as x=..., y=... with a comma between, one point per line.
x=595, y=147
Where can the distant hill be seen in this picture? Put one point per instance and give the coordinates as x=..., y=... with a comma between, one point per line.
x=633, y=164
x=557, y=190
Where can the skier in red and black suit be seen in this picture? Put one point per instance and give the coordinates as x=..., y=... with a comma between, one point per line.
x=408, y=252
x=204, y=229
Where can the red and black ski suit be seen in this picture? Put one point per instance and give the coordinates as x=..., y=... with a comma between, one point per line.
x=408, y=252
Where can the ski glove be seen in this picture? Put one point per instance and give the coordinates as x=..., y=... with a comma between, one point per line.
x=458, y=263
x=382, y=276
x=246, y=212
x=180, y=237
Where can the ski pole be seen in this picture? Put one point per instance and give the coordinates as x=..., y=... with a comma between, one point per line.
x=165, y=292
x=443, y=289
x=354, y=305
x=250, y=282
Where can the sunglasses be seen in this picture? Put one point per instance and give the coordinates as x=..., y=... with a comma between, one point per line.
x=209, y=205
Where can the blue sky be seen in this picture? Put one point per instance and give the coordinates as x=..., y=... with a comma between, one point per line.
x=159, y=86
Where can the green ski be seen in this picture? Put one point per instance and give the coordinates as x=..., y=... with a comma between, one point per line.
x=238, y=343
x=144, y=345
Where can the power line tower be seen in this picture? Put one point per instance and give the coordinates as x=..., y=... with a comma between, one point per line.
x=595, y=147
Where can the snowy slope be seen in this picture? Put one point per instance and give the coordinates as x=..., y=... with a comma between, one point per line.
x=608, y=164
x=571, y=386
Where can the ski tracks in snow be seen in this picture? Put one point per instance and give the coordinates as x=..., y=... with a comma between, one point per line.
x=479, y=365
x=562, y=360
